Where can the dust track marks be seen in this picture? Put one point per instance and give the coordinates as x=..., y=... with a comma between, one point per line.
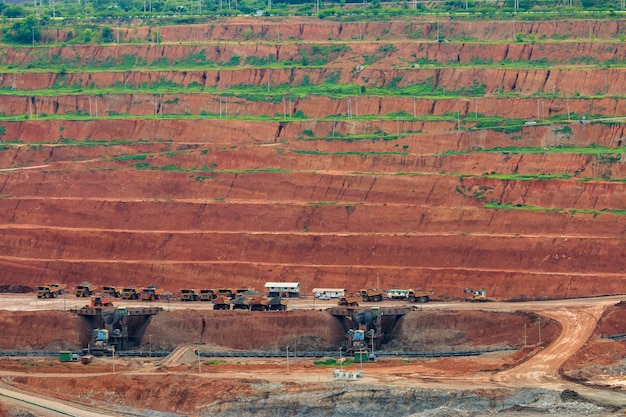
x=24, y=226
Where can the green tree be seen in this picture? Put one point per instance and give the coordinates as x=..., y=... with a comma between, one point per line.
x=107, y=34
x=14, y=11
x=26, y=30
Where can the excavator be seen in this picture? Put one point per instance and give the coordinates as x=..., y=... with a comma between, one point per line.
x=474, y=295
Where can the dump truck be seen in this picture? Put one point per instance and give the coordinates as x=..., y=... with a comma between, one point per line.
x=348, y=301
x=259, y=304
x=97, y=301
x=130, y=293
x=221, y=302
x=50, y=290
x=277, y=304
x=420, y=296
x=85, y=290
x=113, y=292
x=207, y=295
x=474, y=295
x=241, y=303
x=243, y=291
x=227, y=292
x=151, y=293
x=371, y=294
x=410, y=295
x=189, y=295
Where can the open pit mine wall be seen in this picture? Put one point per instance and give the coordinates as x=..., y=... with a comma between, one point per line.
x=321, y=31
x=304, y=330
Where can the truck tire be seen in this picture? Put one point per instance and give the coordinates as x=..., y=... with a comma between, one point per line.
x=423, y=299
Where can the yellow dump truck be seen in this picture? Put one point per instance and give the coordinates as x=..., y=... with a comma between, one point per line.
x=85, y=290
x=188, y=294
x=112, y=292
x=50, y=290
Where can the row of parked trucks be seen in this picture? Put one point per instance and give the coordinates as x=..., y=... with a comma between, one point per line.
x=235, y=298
x=376, y=295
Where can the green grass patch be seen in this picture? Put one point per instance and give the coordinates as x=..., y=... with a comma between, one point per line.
x=214, y=362
x=333, y=362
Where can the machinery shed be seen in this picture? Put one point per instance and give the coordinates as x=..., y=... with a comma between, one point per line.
x=283, y=289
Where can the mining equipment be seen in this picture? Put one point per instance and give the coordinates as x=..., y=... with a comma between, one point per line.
x=474, y=295
x=189, y=295
x=151, y=293
x=371, y=294
x=130, y=293
x=207, y=295
x=112, y=336
x=410, y=295
x=113, y=292
x=277, y=303
x=244, y=291
x=348, y=301
x=50, y=290
x=227, y=292
x=84, y=290
x=368, y=331
x=221, y=302
x=241, y=303
x=259, y=304
x=97, y=301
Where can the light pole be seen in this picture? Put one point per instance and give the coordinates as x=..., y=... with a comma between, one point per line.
x=524, y=334
x=32, y=29
x=287, y=358
x=340, y=359
x=150, y=346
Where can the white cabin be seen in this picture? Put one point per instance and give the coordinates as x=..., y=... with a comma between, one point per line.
x=283, y=289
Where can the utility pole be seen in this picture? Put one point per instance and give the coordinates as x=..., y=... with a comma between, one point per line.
x=539, y=322
x=33, y=31
x=150, y=345
x=287, y=358
x=524, y=334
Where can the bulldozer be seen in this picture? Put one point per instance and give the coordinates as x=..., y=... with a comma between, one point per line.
x=371, y=294
x=474, y=295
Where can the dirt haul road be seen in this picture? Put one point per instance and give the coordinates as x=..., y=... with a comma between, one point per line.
x=578, y=319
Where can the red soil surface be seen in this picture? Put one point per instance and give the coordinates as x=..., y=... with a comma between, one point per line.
x=207, y=203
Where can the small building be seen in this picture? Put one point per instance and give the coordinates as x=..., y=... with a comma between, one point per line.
x=324, y=293
x=283, y=289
